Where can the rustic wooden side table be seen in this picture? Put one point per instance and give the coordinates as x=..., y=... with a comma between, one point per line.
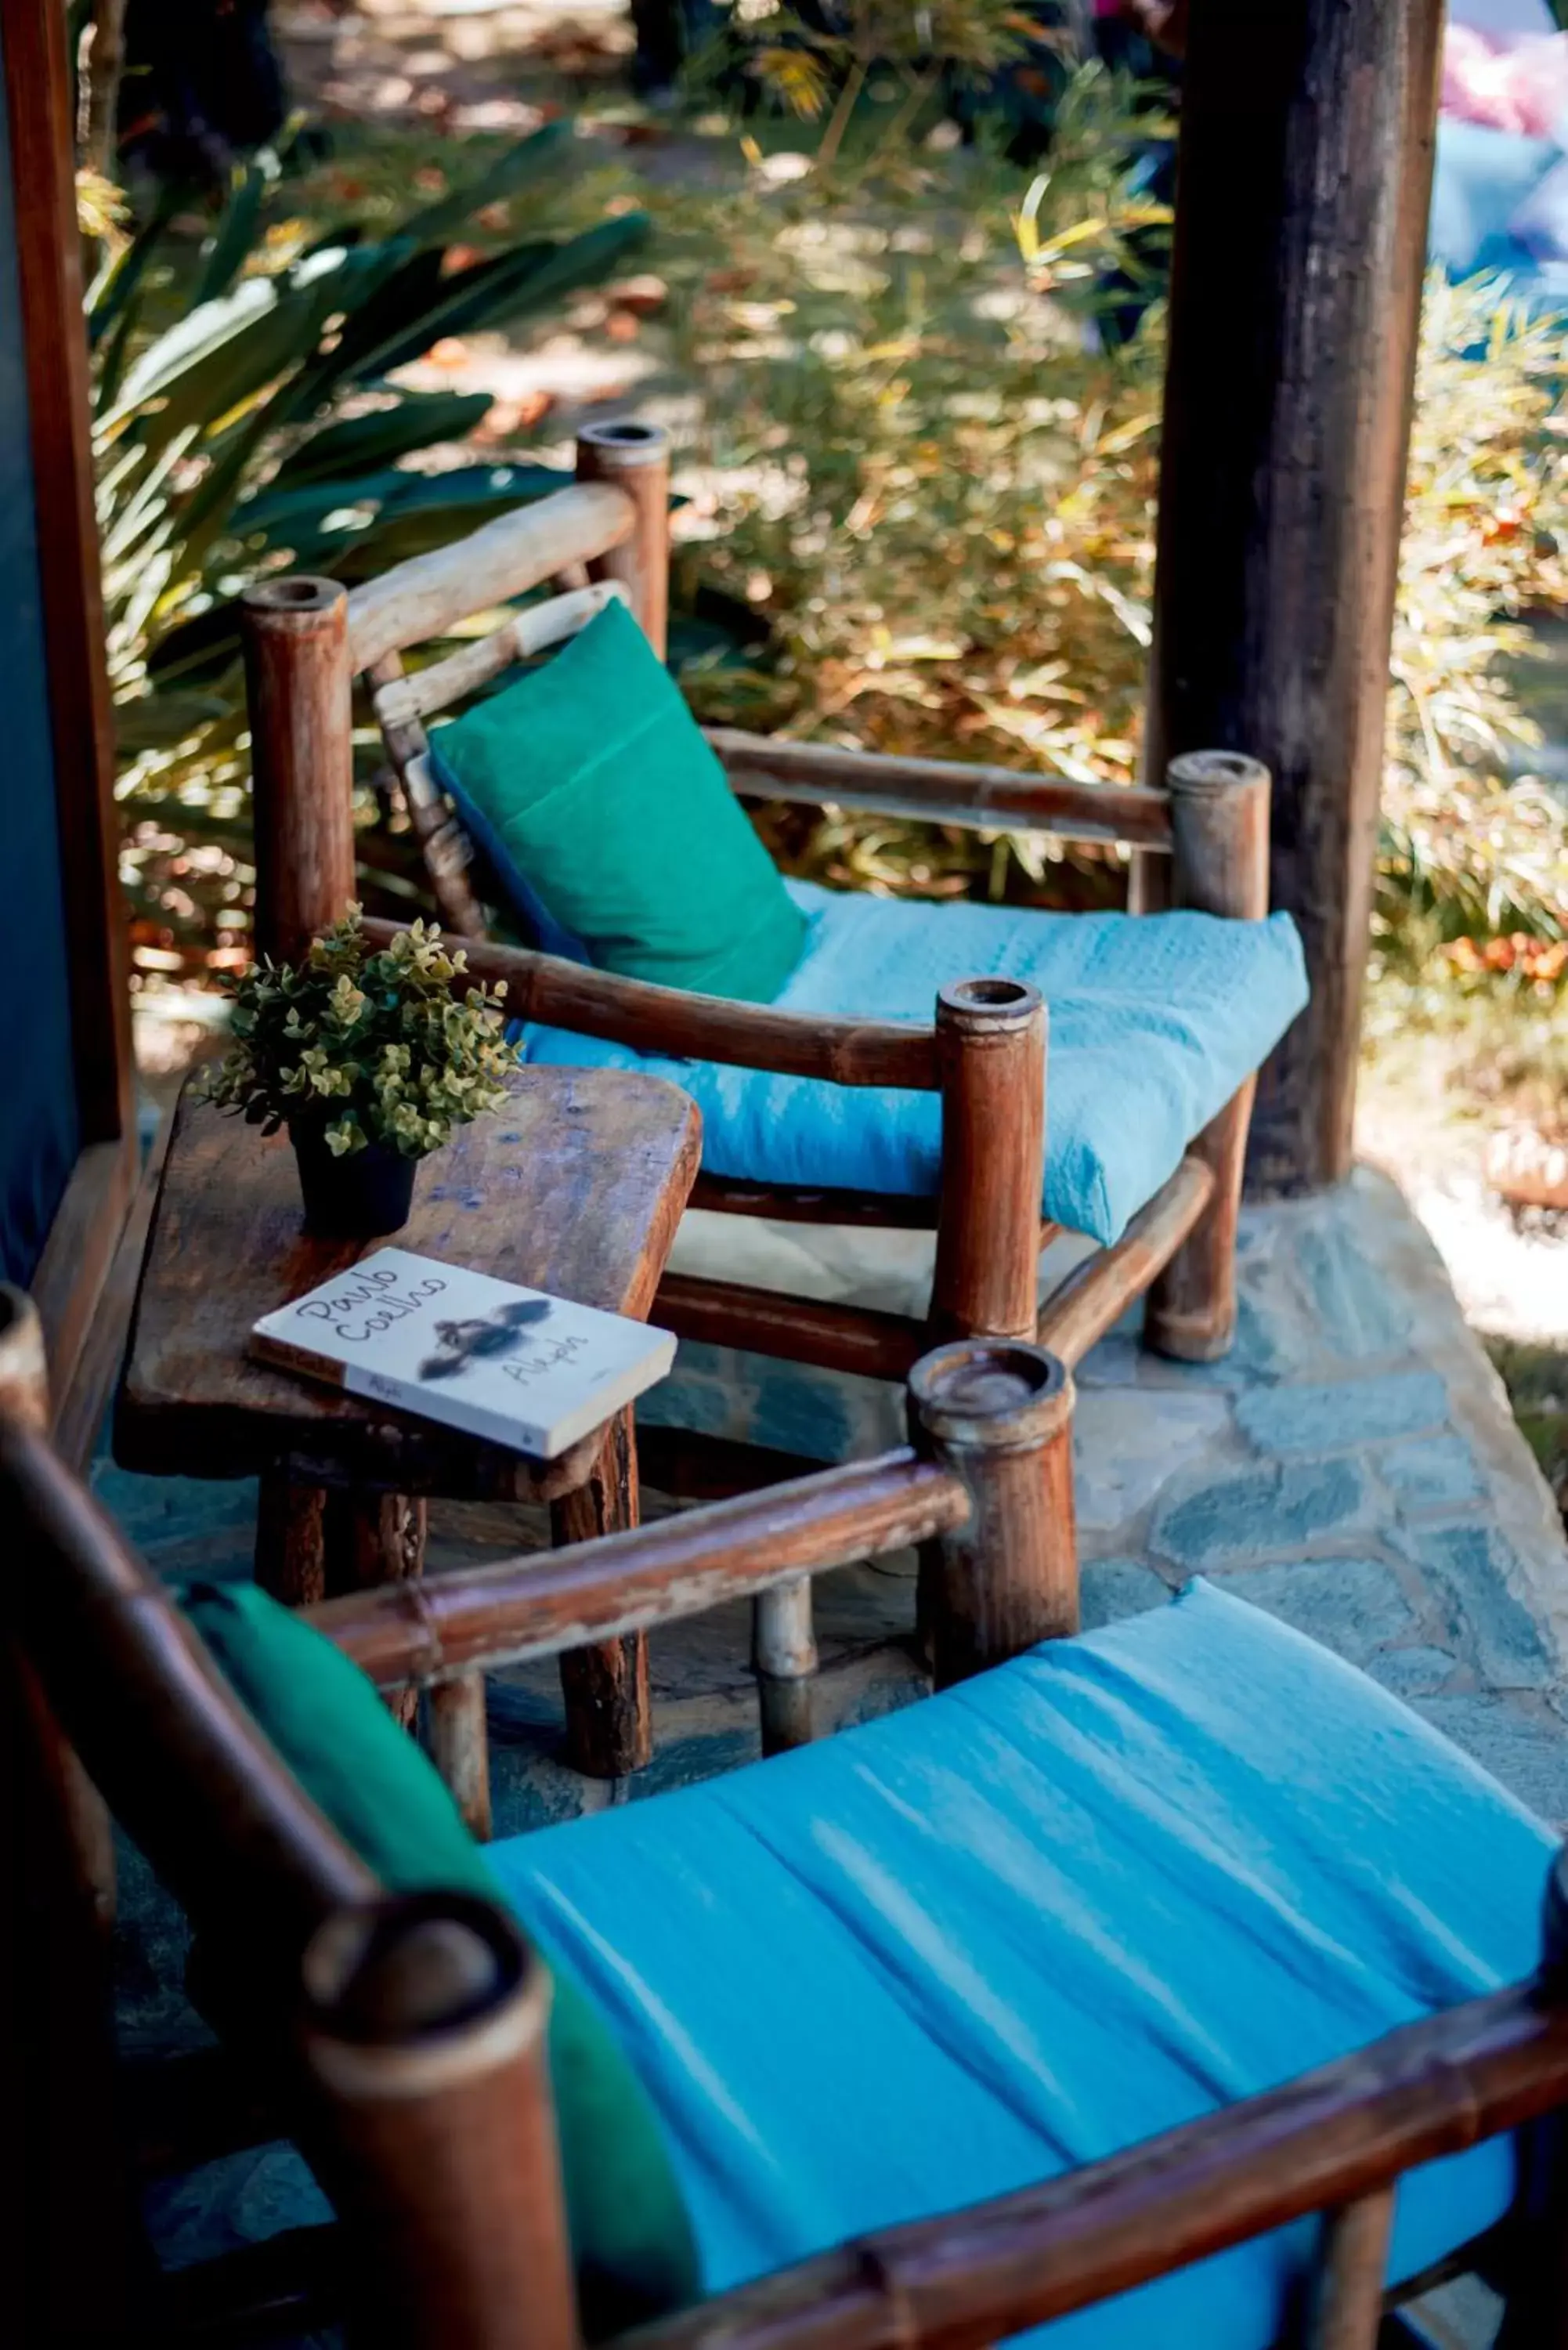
x=577, y=1186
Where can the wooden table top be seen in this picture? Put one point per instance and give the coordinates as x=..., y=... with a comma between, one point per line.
x=575, y=1187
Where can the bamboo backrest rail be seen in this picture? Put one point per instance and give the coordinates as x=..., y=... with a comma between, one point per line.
x=538, y=1605
x=430, y=594
x=668, y=1020
x=1320, y=2143
x=944, y=791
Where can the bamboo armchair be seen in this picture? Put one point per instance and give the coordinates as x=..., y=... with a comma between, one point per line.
x=1199, y=842
x=401, y=2040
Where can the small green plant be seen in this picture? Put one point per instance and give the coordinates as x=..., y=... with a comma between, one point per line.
x=364, y=1047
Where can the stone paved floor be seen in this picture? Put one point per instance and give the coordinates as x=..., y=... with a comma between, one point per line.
x=1353, y=1467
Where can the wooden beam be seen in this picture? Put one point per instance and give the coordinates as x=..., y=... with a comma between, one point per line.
x=1304, y=175
x=978, y=2276
x=540, y=1605
x=424, y=597
x=38, y=99
x=696, y=1027
x=942, y=791
x=1097, y=1293
x=796, y=1329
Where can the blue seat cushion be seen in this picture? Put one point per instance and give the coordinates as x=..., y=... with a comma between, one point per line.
x=1101, y=1891
x=1154, y=1024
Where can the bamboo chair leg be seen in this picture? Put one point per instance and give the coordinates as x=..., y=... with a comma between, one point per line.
x=610, y=1721
x=999, y=1415
x=1220, y=865
x=1347, y=2311
x=783, y=1654
x=459, y=1747
x=425, y=2047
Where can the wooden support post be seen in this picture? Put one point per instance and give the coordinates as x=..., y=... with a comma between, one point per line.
x=369, y=1539
x=459, y=1747
x=991, y=1051
x=609, y=1721
x=1219, y=815
x=299, y=690
x=999, y=1414
x=290, y=1557
x=636, y=458
x=783, y=1655
x=425, y=2044
x=67, y=2186
x=1307, y=137
x=1347, y=2311
x=298, y=685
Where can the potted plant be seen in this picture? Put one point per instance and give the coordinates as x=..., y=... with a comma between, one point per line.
x=370, y=1061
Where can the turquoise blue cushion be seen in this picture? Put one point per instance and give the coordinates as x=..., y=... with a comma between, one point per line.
x=1154, y=1024
x=1112, y=1887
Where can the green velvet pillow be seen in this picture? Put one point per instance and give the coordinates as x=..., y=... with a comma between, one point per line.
x=594, y=785
x=631, y=2238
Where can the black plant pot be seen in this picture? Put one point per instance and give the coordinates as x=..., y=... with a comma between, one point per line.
x=369, y=1192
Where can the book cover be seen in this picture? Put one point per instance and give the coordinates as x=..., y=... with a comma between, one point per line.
x=507, y=1364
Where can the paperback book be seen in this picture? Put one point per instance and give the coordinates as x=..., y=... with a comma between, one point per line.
x=506, y=1363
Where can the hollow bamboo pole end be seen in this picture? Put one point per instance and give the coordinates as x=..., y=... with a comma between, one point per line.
x=991, y=1012
x=623, y=446
x=1219, y=803
x=300, y=605
x=983, y=1395
x=23, y=1367
x=425, y=2040
x=401, y=1988
x=999, y=1414
x=991, y=1042
x=634, y=457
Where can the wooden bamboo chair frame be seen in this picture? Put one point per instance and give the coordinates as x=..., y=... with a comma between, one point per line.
x=1200, y=841
x=404, y=2039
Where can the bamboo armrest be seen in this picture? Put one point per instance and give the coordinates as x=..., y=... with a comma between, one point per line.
x=536, y=1605
x=944, y=791
x=1323, y=2141
x=668, y=1020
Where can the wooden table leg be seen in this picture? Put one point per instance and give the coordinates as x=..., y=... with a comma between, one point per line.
x=371, y=1539
x=609, y=1725
x=290, y=1559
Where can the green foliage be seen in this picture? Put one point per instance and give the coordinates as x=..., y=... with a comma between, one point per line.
x=246, y=422
x=940, y=491
x=364, y=1047
x=918, y=461
x=1486, y=543
x=816, y=70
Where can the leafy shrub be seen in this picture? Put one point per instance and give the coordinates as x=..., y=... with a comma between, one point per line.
x=363, y=1047
x=940, y=491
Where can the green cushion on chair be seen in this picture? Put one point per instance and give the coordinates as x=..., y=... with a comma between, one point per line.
x=592, y=777
x=631, y=2238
